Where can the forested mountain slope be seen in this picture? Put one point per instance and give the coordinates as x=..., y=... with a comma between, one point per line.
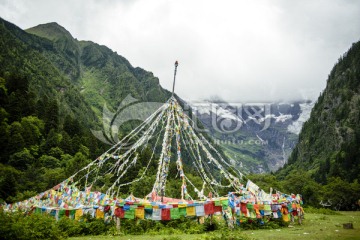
x=103, y=75
x=329, y=143
x=52, y=91
x=325, y=164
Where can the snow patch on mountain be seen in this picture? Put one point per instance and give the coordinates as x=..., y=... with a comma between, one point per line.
x=221, y=112
x=296, y=126
x=281, y=118
x=214, y=108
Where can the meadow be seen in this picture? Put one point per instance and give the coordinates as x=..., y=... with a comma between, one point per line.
x=315, y=226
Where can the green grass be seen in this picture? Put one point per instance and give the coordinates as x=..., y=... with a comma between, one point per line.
x=315, y=226
x=141, y=237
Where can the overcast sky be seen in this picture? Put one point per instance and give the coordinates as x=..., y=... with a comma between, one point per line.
x=241, y=50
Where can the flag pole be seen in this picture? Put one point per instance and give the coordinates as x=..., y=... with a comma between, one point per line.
x=176, y=65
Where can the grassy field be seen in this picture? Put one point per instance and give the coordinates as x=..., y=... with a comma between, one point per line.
x=315, y=226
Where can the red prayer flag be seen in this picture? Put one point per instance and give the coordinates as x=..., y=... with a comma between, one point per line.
x=165, y=214
x=119, y=212
x=217, y=209
x=209, y=208
x=243, y=208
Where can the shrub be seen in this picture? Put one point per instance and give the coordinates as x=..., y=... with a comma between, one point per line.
x=70, y=228
x=253, y=224
x=18, y=225
x=214, y=224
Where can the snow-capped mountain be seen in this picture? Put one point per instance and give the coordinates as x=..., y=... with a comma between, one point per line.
x=259, y=136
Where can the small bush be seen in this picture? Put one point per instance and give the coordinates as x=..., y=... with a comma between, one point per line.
x=253, y=224
x=113, y=231
x=70, y=228
x=98, y=227
x=212, y=225
x=324, y=211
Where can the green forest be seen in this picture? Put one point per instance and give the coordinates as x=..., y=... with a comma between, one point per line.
x=38, y=151
x=45, y=120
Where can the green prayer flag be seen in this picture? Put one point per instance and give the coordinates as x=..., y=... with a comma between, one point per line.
x=182, y=211
x=267, y=207
x=225, y=203
x=252, y=214
x=130, y=214
x=72, y=213
x=174, y=213
x=61, y=213
x=289, y=207
x=38, y=210
x=249, y=206
x=217, y=203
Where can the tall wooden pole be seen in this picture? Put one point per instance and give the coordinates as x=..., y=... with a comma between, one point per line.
x=176, y=64
x=118, y=224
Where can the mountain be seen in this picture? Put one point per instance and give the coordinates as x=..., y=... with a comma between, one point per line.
x=329, y=143
x=98, y=75
x=53, y=89
x=257, y=137
x=103, y=75
x=23, y=54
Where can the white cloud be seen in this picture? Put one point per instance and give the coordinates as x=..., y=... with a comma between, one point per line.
x=237, y=50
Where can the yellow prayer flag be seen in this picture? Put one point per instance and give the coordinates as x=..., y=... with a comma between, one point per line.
x=140, y=213
x=78, y=214
x=285, y=217
x=99, y=213
x=190, y=211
